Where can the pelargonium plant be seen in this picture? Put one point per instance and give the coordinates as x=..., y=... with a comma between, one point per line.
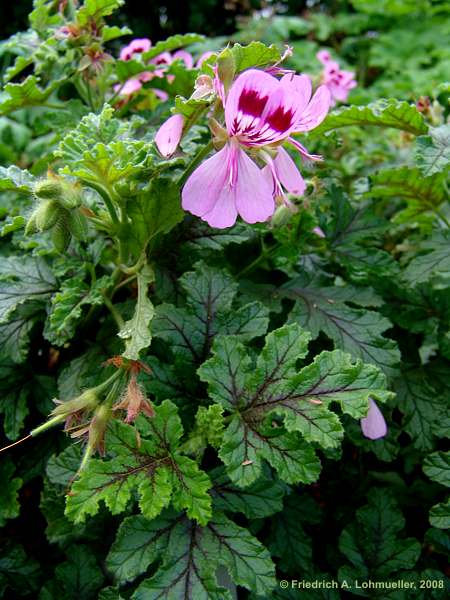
x=216, y=325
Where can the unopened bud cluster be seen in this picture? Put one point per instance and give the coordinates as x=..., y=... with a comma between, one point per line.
x=58, y=211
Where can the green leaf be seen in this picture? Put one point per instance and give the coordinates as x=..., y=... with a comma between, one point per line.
x=9, y=503
x=254, y=55
x=423, y=194
x=437, y=467
x=381, y=113
x=153, y=467
x=14, y=392
x=27, y=93
x=18, y=571
x=136, y=332
x=102, y=152
x=172, y=43
x=23, y=279
x=440, y=515
x=67, y=307
x=432, y=152
x=422, y=407
x=112, y=33
x=274, y=385
x=354, y=330
x=61, y=469
x=59, y=529
x=12, y=224
x=139, y=542
x=262, y=499
x=288, y=539
x=153, y=213
x=210, y=294
x=15, y=333
x=96, y=9
x=110, y=593
x=434, y=264
x=80, y=576
x=208, y=429
x=190, y=108
x=191, y=555
x=372, y=543
x=13, y=178
x=199, y=236
x=391, y=8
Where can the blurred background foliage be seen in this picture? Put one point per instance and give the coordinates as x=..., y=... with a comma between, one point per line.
x=397, y=47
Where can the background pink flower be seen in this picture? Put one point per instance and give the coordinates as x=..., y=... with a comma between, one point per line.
x=338, y=81
x=137, y=46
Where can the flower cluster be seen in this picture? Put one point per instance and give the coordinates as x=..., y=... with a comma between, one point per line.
x=161, y=62
x=338, y=81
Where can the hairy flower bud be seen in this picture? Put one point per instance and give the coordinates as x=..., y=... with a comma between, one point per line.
x=78, y=225
x=47, y=189
x=47, y=214
x=61, y=235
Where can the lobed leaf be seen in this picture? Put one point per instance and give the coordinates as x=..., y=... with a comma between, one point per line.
x=152, y=467
x=381, y=113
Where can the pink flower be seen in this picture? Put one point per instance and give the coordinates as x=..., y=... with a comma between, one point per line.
x=339, y=82
x=201, y=59
x=373, y=426
x=185, y=57
x=137, y=46
x=319, y=232
x=129, y=87
x=260, y=111
x=169, y=135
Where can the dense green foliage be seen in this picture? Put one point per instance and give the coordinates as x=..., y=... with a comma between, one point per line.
x=213, y=379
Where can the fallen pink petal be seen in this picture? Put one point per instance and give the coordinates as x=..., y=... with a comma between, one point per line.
x=373, y=425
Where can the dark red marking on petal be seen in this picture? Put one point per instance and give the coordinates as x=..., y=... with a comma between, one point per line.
x=251, y=103
x=280, y=120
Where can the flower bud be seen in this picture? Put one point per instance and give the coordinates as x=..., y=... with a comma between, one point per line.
x=282, y=216
x=169, y=134
x=31, y=226
x=226, y=68
x=71, y=196
x=47, y=189
x=78, y=225
x=88, y=400
x=61, y=235
x=47, y=214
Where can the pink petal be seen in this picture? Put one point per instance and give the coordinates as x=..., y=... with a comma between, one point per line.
x=130, y=87
x=288, y=174
x=165, y=58
x=206, y=184
x=250, y=84
x=373, y=426
x=186, y=57
x=319, y=232
x=302, y=85
x=316, y=111
x=160, y=94
x=169, y=134
x=303, y=151
x=203, y=57
x=253, y=192
x=136, y=46
x=323, y=56
x=145, y=76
